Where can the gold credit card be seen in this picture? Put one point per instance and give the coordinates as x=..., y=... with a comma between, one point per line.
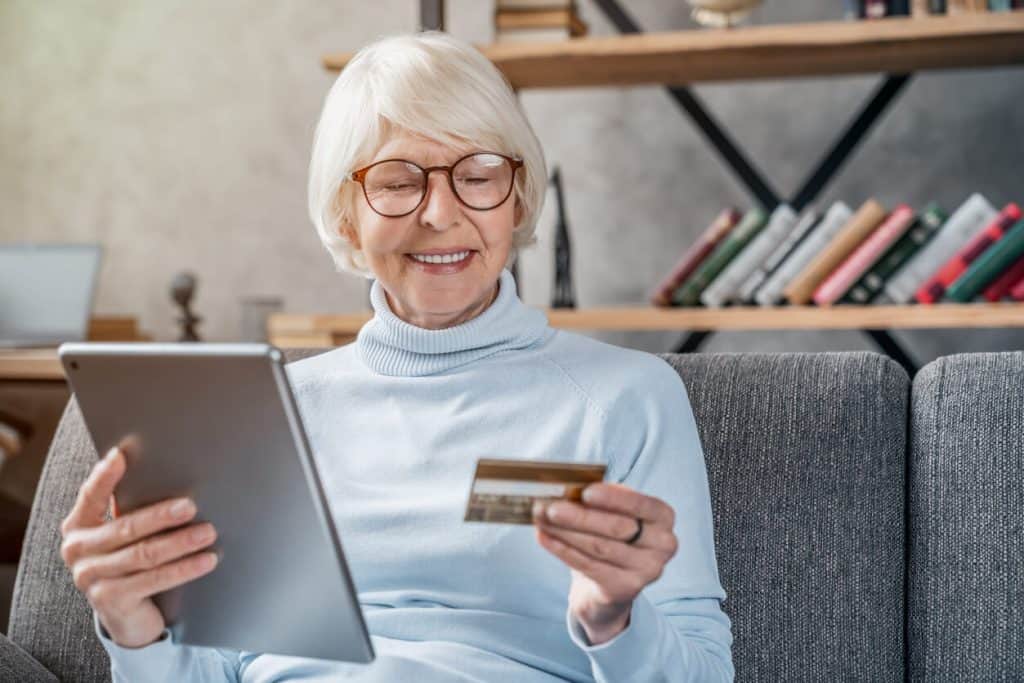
x=503, y=491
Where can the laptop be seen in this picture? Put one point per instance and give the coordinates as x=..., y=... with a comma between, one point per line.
x=46, y=293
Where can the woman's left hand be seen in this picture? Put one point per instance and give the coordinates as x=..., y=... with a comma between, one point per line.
x=607, y=573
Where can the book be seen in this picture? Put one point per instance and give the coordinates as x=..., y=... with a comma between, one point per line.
x=966, y=6
x=558, y=18
x=866, y=254
x=875, y=9
x=861, y=224
x=853, y=9
x=937, y=6
x=1017, y=291
x=725, y=288
x=532, y=4
x=933, y=288
x=988, y=266
x=921, y=230
x=1000, y=5
x=807, y=220
x=899, y=8
x=537, y=35
x=751, y=223
x=537, y=23
x=835, y=218
x=1002, y=285
x=970, y=217
x=920, y=8
x=694, y=255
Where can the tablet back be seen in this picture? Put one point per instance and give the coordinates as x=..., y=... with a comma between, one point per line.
x=218, y=423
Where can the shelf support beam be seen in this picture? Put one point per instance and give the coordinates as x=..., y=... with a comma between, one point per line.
x=849, y=140
x=715, y=134
x=756, y=183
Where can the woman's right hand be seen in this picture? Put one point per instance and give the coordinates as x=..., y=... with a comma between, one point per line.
x=121, y=563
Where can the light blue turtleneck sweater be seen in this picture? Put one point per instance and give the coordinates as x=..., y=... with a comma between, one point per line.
x=397, y=421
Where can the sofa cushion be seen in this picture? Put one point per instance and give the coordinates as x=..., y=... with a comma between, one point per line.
x=805, y=457
x=966, y=519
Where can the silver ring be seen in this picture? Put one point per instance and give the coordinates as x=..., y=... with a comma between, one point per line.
x=639, y=530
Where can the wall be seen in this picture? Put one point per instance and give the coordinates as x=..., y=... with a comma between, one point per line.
x=178, y=135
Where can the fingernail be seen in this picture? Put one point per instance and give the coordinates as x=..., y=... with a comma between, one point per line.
x=538, y=509
x=555, y=511
x=202, y=534
x=111, y=454
x=590, y=495
x=183, y=509
x=209, y=560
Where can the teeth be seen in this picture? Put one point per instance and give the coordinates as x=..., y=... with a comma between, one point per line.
x=447, y=258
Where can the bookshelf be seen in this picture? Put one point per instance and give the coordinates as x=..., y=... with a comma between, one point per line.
x=895, y=47
x=298, y=330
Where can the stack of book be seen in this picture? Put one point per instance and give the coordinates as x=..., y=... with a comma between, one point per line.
x=877, y=9
x=531, y=21
x=841, y=256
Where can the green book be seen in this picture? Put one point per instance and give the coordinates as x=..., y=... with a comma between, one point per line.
x=752, y=222
x=987, y=267
x=917, y=235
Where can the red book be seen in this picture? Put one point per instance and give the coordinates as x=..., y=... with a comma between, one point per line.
x=692, y=257
x=1002, y=285
x=1017, y=292
x=864, y=256
x=935, y=286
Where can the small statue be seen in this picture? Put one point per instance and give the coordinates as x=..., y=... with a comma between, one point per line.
x=183, y=288
x=563, y=296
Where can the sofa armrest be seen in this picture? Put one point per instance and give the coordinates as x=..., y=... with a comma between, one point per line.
x=18, y=665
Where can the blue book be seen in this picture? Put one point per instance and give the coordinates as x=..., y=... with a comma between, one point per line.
x=1000, y=5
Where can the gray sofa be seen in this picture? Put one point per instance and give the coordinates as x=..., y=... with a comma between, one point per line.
x=868, y=527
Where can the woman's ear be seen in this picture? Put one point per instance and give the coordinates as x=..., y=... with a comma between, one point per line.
x=349, y=234
x=517, y=213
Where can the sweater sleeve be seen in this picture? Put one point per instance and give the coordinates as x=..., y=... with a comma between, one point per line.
x=165, y=661
x=677, y=630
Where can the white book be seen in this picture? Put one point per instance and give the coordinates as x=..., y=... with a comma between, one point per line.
x=532, y=4
x=724, y=288
x=533, y=35
x=808, y=219
x=835, y=218
x=972, y=216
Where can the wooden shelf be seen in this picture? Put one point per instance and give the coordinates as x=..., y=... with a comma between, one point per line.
x=894, y=45
x=291, y=330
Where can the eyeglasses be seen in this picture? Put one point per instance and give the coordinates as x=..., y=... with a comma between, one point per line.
x=396, y=187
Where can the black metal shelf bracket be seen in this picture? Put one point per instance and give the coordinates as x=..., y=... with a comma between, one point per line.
x=759, y=187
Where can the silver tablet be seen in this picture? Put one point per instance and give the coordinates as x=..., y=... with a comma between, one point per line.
x=219, y=423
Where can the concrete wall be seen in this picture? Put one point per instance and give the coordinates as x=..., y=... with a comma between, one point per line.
x=178, y=135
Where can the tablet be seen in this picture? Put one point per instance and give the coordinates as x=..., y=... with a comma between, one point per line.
x=219, y=423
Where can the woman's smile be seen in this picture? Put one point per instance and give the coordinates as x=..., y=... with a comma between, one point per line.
x=448, y=263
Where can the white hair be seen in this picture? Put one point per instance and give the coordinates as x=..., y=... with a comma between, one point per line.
x=429, y=84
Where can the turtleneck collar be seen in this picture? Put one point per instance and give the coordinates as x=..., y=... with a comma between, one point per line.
x=390, y=346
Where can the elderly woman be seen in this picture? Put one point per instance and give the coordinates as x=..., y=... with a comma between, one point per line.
x=426, y=177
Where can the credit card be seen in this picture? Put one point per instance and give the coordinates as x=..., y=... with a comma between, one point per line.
x=503, y=491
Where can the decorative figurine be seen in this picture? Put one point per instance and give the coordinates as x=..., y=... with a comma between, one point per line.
x=563, y=296
x=183, y=288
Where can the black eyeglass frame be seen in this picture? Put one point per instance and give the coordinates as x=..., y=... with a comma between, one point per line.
x=359, y=176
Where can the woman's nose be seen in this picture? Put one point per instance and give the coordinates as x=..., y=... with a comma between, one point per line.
x=440, y=206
